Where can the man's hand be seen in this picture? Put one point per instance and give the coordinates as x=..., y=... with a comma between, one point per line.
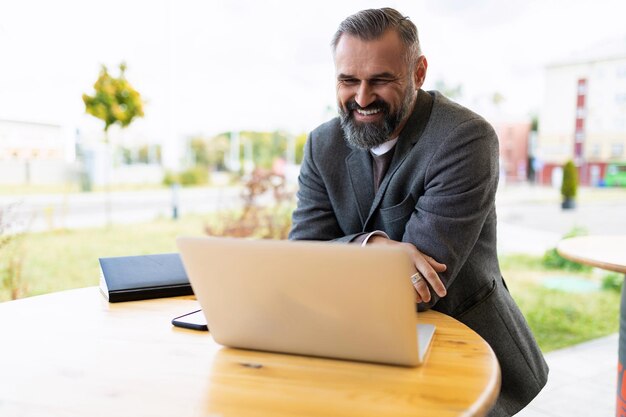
x=426, y=266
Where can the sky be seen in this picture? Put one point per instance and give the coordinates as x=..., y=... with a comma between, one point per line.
x=208, y=66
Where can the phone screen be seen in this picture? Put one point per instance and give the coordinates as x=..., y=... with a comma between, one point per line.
x=194, y=320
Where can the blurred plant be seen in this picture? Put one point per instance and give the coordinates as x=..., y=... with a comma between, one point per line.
x=217, y=149
x=196, y=175
x=569, y=185
x=115, y=102
x=613, y=282
x=552, y=259
x=300, y=142
x=534, y=123
x=11, y=255
x=149, y=154
x=497, y=98
x=453, y=92
x=198, y=152
x=170, y=178
x=269, y=221
x=260, y=149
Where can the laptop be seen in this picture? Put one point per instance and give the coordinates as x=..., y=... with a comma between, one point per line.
x=308, y=298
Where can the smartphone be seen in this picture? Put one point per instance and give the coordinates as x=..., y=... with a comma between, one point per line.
x=194, y=320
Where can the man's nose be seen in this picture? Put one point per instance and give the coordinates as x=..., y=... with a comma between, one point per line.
x=364, y=95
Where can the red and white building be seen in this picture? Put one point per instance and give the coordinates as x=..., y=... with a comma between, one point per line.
x=513, y=138
x=583, y=117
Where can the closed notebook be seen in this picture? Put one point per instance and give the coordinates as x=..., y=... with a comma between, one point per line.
x=129, y=278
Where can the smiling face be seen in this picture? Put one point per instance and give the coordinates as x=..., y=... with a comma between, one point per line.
x=376, y=88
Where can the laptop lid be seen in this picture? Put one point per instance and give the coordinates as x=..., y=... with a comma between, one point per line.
x=309, y=298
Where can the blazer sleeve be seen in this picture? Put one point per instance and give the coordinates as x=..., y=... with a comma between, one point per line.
x=314, y=217
x=459, y=194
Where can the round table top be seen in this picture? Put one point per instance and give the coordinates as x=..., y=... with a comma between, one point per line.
x=74, y=354
x=606, y=252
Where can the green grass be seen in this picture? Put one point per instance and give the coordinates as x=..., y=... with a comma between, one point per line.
x=558, y=318
x=521, y=262
x=56, y=261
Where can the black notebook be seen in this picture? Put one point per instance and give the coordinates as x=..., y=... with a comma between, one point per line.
x=129, y=278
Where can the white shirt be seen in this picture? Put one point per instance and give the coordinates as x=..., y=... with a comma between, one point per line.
x=384, y=147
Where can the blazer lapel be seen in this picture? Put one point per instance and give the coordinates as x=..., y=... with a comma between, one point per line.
x=359, y=165
x=408, y=138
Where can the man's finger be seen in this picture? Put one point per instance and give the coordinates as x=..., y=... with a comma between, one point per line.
x=422, y=290
x=437, y=266
x=430, y=275
x=426, y=265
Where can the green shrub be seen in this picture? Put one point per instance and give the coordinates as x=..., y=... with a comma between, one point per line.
x=197, y=175
x=551, y=259
x=613, y=282
x=570, y=180
x=170, y=178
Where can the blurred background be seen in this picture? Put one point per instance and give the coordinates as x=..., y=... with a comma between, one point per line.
x=124, y=124
x=217, y=75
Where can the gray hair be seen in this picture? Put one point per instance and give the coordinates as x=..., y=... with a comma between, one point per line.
x=371, y=24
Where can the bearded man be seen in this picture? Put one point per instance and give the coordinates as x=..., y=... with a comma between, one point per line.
x=410, y=168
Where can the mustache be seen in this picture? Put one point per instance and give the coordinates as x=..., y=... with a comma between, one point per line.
x=376, y=104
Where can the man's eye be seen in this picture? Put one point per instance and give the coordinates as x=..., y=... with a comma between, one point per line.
x=379, y=81
x=349, y=81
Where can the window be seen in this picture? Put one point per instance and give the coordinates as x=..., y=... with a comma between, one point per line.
x=595, y=150
x=617, y=149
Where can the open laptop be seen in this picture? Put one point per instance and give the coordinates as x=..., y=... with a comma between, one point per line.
x=308, y=298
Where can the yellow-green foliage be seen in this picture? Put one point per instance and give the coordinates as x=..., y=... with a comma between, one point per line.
x=115, y=100
x=196, y=175
x=570, y=180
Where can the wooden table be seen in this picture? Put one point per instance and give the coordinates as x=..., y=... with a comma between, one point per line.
x=606, y=252
x=74, y=354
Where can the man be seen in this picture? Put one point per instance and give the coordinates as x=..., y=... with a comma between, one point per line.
x=406, y=167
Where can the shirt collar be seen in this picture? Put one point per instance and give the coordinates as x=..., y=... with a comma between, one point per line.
x=384, y=147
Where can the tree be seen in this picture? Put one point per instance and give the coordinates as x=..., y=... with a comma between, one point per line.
x=115, y=102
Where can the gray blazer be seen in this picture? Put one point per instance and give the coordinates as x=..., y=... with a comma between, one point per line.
x=439, y=194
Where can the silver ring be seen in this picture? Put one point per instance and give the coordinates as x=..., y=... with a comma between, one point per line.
x=416, y=277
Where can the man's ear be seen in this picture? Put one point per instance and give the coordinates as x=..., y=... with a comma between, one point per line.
x=419, y=74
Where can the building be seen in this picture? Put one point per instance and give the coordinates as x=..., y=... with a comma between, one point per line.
x=34, y=153
x=513, y=139
x=583, y=117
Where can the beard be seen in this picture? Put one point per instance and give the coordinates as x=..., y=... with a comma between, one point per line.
x=372, y=134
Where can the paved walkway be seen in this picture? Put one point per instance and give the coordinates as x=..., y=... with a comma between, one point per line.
x=582, y=382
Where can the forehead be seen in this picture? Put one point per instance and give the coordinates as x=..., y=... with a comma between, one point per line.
x=355, y=56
